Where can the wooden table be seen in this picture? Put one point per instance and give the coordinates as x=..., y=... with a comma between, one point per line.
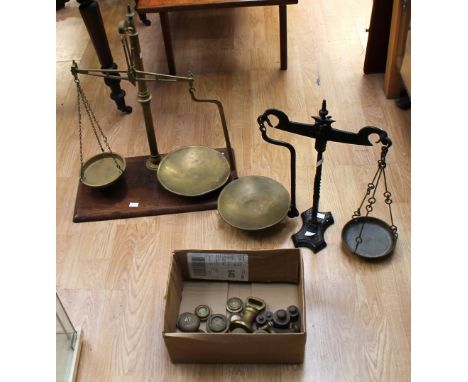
x=163, y=7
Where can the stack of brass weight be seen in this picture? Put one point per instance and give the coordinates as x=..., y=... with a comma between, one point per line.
x=250, y=316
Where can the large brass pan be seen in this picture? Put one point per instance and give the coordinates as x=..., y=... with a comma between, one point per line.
x=102, y=169
x=193, y=171
x=253, y=202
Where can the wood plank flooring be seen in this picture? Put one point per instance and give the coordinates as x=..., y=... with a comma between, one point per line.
x=111, y=275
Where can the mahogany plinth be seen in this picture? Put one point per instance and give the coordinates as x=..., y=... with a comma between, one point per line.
x=138, y=185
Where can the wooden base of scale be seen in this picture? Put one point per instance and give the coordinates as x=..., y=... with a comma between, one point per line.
x=136, y=194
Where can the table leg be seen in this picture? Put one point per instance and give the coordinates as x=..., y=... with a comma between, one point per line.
x=283, y=37
x=144, y=19
x=91, y=14
x=166, y=31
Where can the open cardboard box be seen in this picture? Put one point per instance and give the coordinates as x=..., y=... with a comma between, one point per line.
x=211, y=277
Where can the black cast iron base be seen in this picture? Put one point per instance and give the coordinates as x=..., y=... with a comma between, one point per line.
x=311, y=234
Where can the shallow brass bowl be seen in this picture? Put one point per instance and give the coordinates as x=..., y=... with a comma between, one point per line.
x=193, y=171
x=101, y=170
x=253, y=202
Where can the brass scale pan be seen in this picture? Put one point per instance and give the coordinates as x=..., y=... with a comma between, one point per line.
x=102, y=170
x=250, y=202
x=187, y=171
x=253, y=202
x=193, y=171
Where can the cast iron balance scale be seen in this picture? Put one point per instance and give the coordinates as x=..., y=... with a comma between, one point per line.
x=364, y=236
x=113, y=187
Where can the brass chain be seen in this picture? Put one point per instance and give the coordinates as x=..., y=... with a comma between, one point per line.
x=81, y=97
x=78, y=99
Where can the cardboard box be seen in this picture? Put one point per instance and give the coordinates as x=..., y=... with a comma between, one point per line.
x=211, y=277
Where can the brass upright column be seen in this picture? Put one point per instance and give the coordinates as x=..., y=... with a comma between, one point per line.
x=144, y=96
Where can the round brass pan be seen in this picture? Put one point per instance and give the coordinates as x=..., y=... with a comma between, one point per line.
x=377, y=239
x=193, y=171
x=101, y=170
x=253, y=202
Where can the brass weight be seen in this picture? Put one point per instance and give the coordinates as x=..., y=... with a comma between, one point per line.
x=188, y=322
x=202, y=312
x=234, y=305
x=217, y=323
x=234, y=317
x=252, y=307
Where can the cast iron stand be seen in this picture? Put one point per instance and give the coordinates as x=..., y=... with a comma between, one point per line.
x=311, y=235
x=293, y=212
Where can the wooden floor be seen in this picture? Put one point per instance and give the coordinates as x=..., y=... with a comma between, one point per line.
x=111, y=275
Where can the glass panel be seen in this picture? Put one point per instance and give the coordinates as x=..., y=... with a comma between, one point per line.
x=65, y=342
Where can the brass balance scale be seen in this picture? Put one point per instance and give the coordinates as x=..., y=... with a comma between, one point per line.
x=115, y=187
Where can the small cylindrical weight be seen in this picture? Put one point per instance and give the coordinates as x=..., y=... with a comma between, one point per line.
x=268, y=315
x=202, y=312
x=260, y=319
x=293, y=313
x=217, y=323
x=281, y=319
x=234, y=305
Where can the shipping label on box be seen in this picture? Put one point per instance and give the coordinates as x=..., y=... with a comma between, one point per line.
x=218, y=266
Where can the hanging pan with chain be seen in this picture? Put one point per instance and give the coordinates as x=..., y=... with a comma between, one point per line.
x=105, y=168
x=367, y=236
